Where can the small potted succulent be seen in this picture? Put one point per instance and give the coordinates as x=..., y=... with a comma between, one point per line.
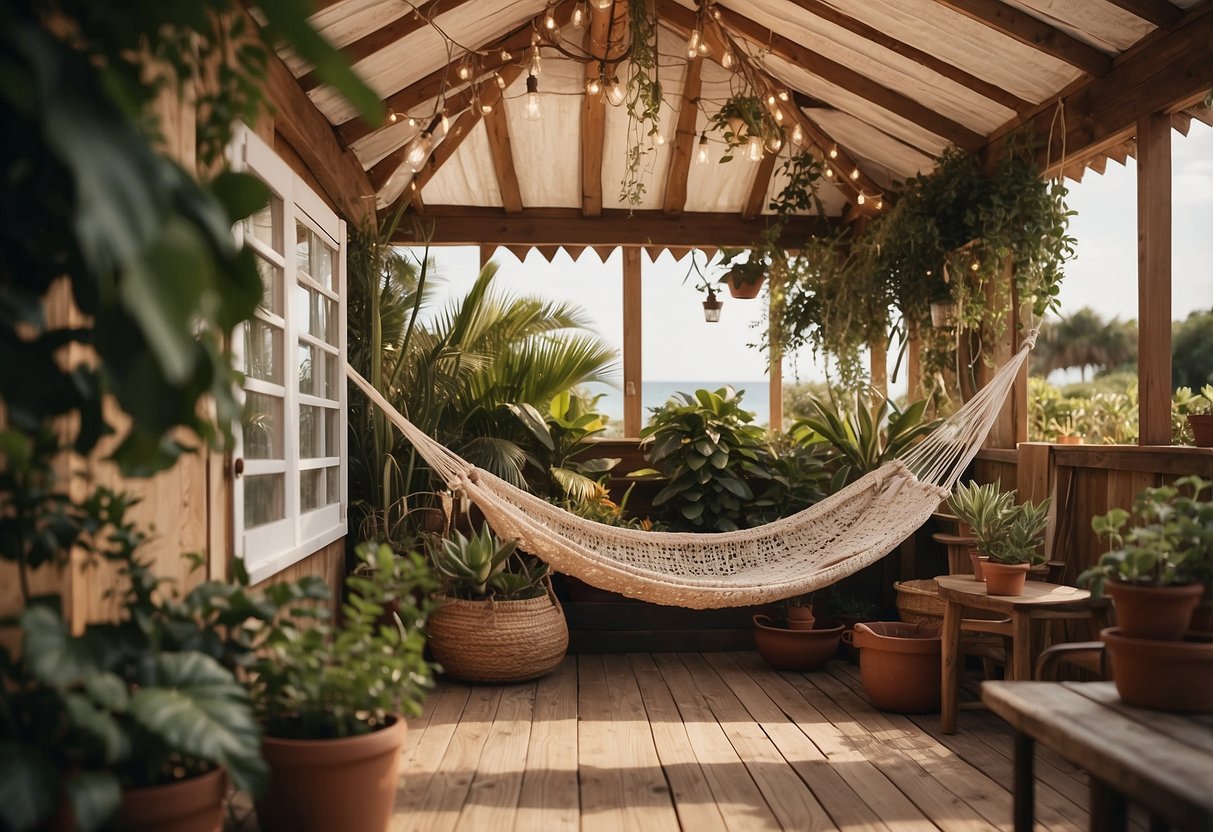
x=1008, y=534
x=497, y=619
x=978, y=506
x=1156, y=576
x=794, y=639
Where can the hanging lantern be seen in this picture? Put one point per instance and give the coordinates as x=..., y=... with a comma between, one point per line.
x=711, y=307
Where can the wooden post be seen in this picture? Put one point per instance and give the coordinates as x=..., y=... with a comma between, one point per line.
x=1154, y=278
x=486, y=254
x=632, y=342
x=878, y=352
x=913, y=365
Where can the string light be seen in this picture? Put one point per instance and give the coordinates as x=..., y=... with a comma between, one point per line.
x=716, y=13
x=704, y=49
x=659, y=140
x=532, y=111
x=754, y=149
x=797, y=135
x=855, y=173
x=578, y=15
x=861, y=199
x=693, y=43
x=412, y=122
x=536, y=62
x=829, y=172
x=779, y=116
x=726, y=60
x=593, y=86
x=879, y=203
x=774, y=143
x=549, y=20
x=770, y=101
x=703, y=156
x=834, y=152
x=602, y=5
x=500, y=81
x=446, y=124
x=505, y=56
x=975, y=266
x=783, y=95
x=464, y=72
x=418, y=149
x=616, y=92
x=392, y=117
x=486, y=107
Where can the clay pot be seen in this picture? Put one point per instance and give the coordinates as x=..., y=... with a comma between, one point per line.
x=1005, y=578
x=796, y=649
x=800, y=618
x=1157, y=612
x=1202, y=619
x=1162, y=675
x=744, y=291
x=943, y=314
x=1202, y=429
x=191, y=805
x=899, y=665
x=979, y=561
x=321, y=785
x=1068, y=439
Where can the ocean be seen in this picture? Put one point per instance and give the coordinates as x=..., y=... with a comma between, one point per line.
x=656, y=393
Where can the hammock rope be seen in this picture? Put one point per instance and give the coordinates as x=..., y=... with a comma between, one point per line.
x=825, y=542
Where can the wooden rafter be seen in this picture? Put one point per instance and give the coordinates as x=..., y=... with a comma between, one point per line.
x=684, y=139
x=461, y=225
x=1159, y=12
x=834, y=73
x=926, y=59
x=593, y=107
x=762, y=183
x=387, y=35
x=1026, y=29
x=498, y=129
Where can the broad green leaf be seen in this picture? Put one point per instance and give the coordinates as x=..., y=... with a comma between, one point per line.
x=240, y=194
x=29, y=785
x=95, y=796
x=54, y=656
x=100, y=724
x=107, y=690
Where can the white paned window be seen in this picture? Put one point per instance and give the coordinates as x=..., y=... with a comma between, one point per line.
x=290, y=488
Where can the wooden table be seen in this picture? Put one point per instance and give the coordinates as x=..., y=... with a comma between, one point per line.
x=1164, y=762
x=1040, y=601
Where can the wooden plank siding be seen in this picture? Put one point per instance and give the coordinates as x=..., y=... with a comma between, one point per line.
x=708, y=742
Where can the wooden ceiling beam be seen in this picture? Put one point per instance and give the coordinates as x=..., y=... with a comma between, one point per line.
x=598, y=41
x=684, y=139
x=762, y=183
x=1035, y=33
x=1167, y=72
x=831, y=71
x=935, y=64
x=1159, y=12
x=498, y=128
x=387, y=34
x=460, y=225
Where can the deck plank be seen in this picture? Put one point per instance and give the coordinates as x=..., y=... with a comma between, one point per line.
x=602, y=797
x=492, y=800
x=421, y=761
x=549, y=798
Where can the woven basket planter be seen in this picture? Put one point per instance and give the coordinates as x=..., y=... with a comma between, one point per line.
x=919, y=602
x=498, y=641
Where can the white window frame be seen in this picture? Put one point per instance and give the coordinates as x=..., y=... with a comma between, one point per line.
x=272, y=547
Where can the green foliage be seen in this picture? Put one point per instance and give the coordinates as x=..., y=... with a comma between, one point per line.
x=862, y=433
x=643, y=99
x=312, y=679
x=742, y=117
x=706, y=447
x=1007, y=531
x=563, y=436
x=1192, y=350
x=1084, y=339
x=481, y=567
x=1104, y=410
x=1171, y=544
x=798, y=478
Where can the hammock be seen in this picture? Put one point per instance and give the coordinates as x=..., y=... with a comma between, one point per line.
x=836, y=537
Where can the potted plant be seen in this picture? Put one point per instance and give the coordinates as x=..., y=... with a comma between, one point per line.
x=795, y=639
x=979, y=506
x=899, y=664
x=498, y=619
x=1013, y=546
x=744, y=277
x=1200, y=417
x=122, y=722
x=332, y=697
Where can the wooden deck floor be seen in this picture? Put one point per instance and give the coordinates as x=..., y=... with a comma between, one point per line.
x=703, y=742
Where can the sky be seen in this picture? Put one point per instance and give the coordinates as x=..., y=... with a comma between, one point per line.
x=679, y=345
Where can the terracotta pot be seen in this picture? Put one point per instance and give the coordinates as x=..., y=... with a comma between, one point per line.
x=1162, y=675
x=320, y=785
x=979, y=561
x=1005, y=578
x=1157, y=612
x=744, y=291
x=943, y=314
x=796, y=649
x=1202, y=619
x=1069, y=440
x=800, y=618
x=899, y=665
x=191, y=805
x=1202, y=429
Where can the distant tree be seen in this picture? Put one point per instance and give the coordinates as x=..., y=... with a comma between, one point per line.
x=1192, y=350
x=1084, y=339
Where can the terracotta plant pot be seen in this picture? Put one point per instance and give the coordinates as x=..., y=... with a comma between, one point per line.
x=796, y=649
x=1202, y=429
x=979, y=561
x=744, y=291
x=320, y=785
x=1005, y=578
x=192, y=805
x=800, y=618
x=1068, y=439
x=1162, y=675
x=1202, y=619
x=899, y=665
x=1157, y=612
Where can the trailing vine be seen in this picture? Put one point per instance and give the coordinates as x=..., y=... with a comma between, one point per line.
x=643, y=101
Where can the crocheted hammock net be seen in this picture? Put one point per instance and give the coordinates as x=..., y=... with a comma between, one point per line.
x=836, y=537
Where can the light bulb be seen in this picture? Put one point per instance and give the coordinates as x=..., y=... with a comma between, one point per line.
x=861, y=199
x=975, y=266
x=829, y=173
x=726, y=60
x=532, y=111
x=602, y=5
x=549, y=20
x=716, y=13
x=392, y=118
x=412, y=122
x=797, y=135
x=486, y=108
x=465, y=72
x=855, y=173
x=754, y=150
x=554, y=34
x=704, y=49
x=834, y=152
x=879, y=203
x=500, y=81
x=616, y=92
x=774, y=143
x=446, y=124
x=418, y=150
x=659, y=140
x=536, y=62
x=783, y=95
x=779, y=116
x=505, y=56
x=593, y=86
x=578, y=15
x=693, y=44
x=703, y=156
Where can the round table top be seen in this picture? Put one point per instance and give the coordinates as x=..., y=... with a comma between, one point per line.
x=1035, y=593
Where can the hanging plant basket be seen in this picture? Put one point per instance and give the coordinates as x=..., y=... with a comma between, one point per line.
x=741, y=288
x=943, y=314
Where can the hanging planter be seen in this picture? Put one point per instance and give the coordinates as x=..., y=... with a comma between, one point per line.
x=943, y=314
x=745, y=281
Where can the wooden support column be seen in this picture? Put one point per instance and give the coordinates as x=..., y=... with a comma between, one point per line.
x=1154, y=278
x=632, y=342
x=775, y=363
x=486, y=254
x=878, y=354
x=914, y=366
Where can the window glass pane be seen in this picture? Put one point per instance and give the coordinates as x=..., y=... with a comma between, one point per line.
x=309, y=383
x=303, y=249
x=262, y=426
x=332, y=432
x=263, y=351
x=311, y=431
x=311, y=489
x=332, y=485
x=303, y=308
x=322, y=256
x=271, y=282
x=266, y=224
x=332, y=377
x=264, y=500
